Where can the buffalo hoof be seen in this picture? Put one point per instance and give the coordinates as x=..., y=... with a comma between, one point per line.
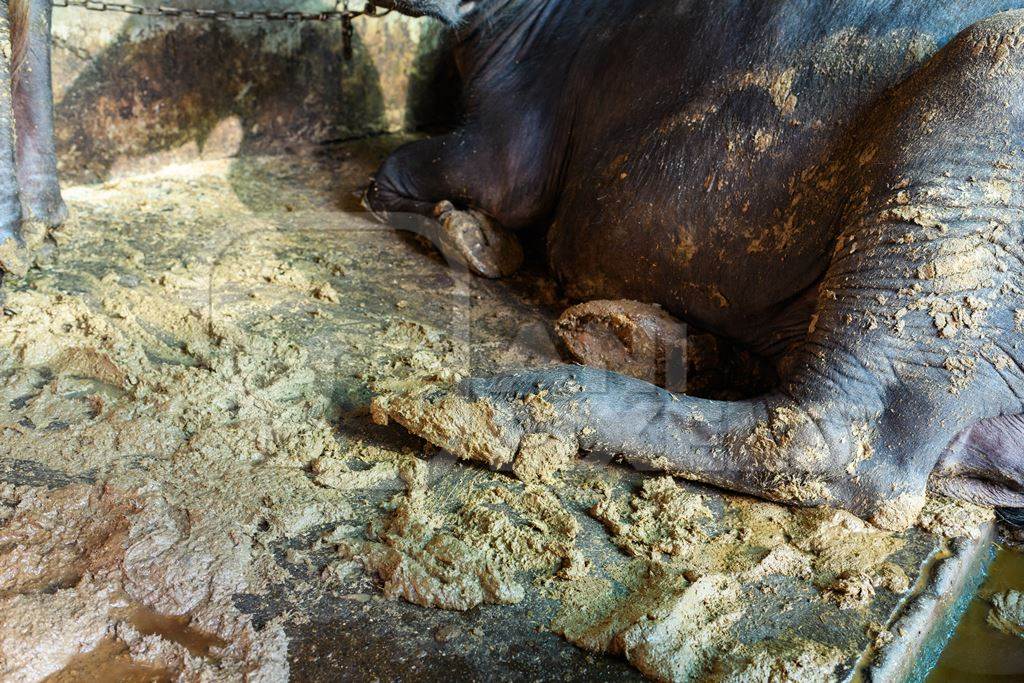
x=628, y=337
x=527, y=424
x=46, y=207
x=643, y=341
x=22, y=247
x=15, y=256
x=477, y=242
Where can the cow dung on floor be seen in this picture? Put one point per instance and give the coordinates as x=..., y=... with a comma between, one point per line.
x=191, y=481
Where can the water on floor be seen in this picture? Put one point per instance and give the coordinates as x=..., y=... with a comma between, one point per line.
x=978, y=653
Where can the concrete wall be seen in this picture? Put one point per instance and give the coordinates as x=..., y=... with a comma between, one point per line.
x=133, y=93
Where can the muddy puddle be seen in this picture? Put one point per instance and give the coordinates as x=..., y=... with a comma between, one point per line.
x=979, y=652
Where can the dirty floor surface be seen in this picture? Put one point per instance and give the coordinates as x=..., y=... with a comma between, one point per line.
x=191, y=483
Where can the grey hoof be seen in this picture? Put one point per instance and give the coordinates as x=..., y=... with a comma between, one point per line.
x=47, y=208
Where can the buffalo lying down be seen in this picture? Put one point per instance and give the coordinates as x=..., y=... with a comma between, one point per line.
x=834, y=185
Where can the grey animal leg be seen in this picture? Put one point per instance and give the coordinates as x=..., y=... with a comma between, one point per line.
x=14, y=257
x=33, y=112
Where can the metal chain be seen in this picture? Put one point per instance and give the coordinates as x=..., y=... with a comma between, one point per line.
x=345, y=15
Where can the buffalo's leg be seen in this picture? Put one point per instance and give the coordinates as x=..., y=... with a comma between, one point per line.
x=33, y=112
x=444, y=188
x=912, y=341
x=13, y=254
